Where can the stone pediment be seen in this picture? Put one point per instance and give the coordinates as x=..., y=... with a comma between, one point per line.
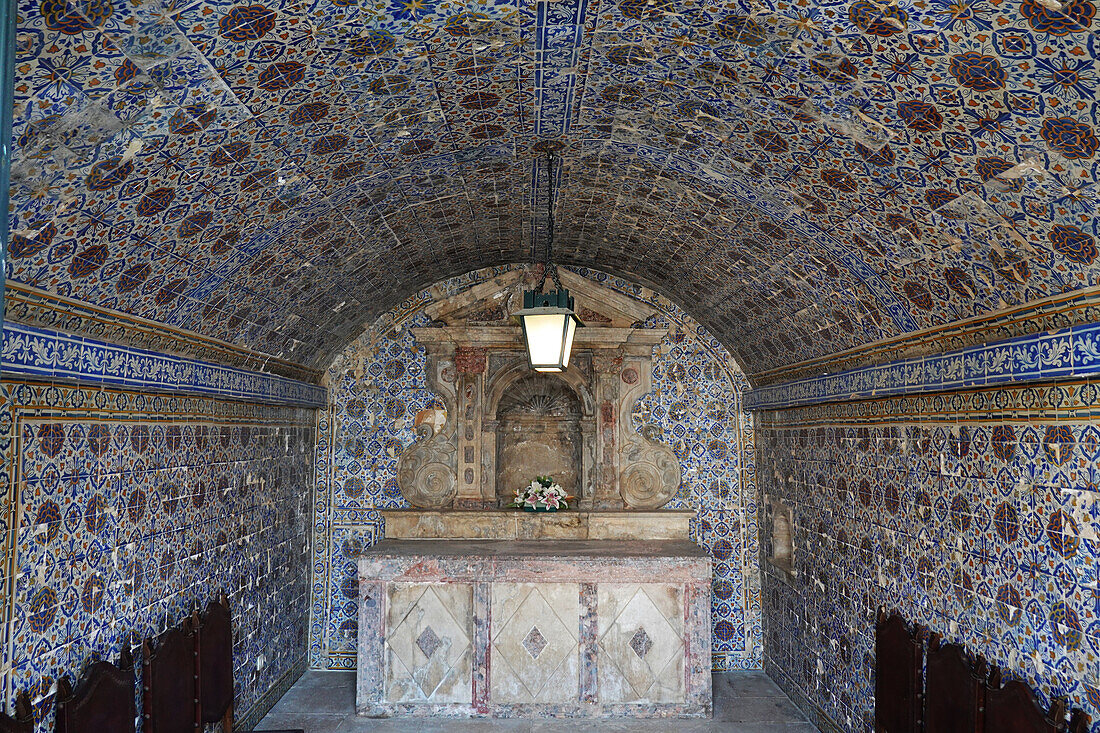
x=493, y=302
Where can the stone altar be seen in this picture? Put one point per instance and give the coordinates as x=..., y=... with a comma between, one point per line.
x=425, y=524
x=546, y=628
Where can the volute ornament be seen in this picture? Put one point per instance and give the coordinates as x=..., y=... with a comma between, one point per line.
x=651, y=476
x=649, y=473
x=427, y=471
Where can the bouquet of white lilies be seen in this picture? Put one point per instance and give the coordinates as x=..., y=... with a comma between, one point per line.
x=543, y=494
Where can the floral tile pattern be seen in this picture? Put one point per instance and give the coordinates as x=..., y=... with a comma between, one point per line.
x=50, y=355
x=973, y=513
x=275, y=173
x=134, y=509
x=378, y=384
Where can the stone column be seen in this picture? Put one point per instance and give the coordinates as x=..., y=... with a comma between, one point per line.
x=470, y=363
x=606, y=364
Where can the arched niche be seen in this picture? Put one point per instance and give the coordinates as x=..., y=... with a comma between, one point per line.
x=538, y=433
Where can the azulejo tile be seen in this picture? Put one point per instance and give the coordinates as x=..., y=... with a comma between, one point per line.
x=107, y=558
x=51, y=355
x=985, y=542
x=1069, y=354
x=861, y=138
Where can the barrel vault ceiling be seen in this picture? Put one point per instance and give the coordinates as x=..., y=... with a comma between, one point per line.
x=802, y=176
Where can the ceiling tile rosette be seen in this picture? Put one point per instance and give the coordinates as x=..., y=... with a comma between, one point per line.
x=804, y=178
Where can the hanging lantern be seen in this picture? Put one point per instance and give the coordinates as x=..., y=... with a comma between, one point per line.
x=548, y=320
x=549, y=325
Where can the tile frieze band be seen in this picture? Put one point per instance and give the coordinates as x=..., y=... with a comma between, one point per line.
x=1067, y=354
x=1077, y=401
x=41, y=354
x=1048, y=314
x=35, y=307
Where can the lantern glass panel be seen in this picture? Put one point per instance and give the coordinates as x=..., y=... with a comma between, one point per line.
x=544, y=339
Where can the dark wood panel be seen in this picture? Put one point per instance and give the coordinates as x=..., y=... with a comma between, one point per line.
x=170, y=681
x=1014, y=709
x=953, y=689
x=23, y=722
x=897, y=676
x=103, y=702
x=215, y=644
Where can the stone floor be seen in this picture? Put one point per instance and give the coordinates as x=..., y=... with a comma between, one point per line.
x=744, y=702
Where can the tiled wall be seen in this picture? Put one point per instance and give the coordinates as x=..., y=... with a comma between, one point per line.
x=378, y=384
x=125, y=510
x=973, y=513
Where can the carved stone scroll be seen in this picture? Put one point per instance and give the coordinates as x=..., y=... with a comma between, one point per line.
x=650, y=471
x=651, y=475
x=427, y=471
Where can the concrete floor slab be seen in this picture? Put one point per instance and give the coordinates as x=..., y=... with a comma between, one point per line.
x=744, y=702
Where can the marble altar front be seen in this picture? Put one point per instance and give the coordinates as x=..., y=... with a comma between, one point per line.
x=545, y=628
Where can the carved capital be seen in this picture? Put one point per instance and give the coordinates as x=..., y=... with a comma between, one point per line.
x=607, y=361
x=470, y=360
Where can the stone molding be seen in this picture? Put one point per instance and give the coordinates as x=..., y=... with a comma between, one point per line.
x=665, y=524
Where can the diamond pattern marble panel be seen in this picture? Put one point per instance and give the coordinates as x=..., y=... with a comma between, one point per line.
x=428, y=647
x=535, y=651
x=640, y=643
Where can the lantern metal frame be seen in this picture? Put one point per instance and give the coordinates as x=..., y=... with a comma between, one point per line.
x=558, y=302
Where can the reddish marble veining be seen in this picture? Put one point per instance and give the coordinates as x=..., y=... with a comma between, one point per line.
x=593, y=569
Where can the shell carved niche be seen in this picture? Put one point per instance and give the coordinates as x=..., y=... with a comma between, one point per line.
x=539, y=432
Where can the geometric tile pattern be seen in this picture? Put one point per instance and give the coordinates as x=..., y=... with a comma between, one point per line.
x=975, y=513
x=274, y=174
x=133, y=509
x=377, y=385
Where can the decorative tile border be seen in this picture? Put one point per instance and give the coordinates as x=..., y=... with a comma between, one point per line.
x=1065, y=310
x=34, y=307
x=43, y=354
x=1070, y=353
